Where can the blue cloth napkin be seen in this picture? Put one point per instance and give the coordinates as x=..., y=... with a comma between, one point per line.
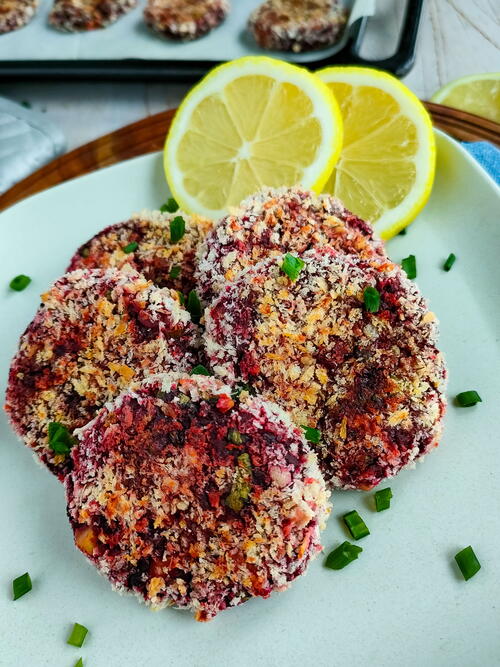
x=487, y=155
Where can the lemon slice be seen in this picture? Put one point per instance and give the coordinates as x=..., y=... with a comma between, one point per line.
x=251, y=123
x=478, y=94
x=386, y=168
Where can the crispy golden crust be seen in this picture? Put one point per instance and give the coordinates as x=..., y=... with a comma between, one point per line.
x=81, y=15
x=165, y=263
x=15, y=14
x=297, y=25
x=188, y=497
x=371, y=382
x=185, y=19
x=95, y=332
x=275, y=221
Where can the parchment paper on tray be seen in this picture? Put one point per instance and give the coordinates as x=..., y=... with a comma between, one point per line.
x=129, y=37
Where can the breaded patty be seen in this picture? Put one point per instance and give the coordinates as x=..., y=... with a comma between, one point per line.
x=189, y=497
x=80, y=15
x=95, y=332
x=297, y=25
x=15, y=14
x=276, y=221
x=185, y=19
x=371, y=382
x=145, y=242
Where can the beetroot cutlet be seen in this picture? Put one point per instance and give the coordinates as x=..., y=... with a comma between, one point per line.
x=191, y=498
x=94, y=333
x=185, y=19
x=81, y=15
x=297, y=25
x=371, y=382
x=15, y=14
x=161, y=246
x=277, y=221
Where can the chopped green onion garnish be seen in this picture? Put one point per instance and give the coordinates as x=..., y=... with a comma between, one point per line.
x=60, y=439
x=182, y=298
x=342, y=556
x=311, y=434
x=194, y=306
x=77, y=636
x=131, y=247
x=409, y=265
x=177, y=229
x=383, y=499
x=357, y=527
x=234, y=436
x=292, y=266
x=467, y=562
x=200, y=370
x=175, y=272
x=241, y=486
x=170, y=206
x=79, y=663
x=467, y=399
x=449, y=262
x=19, y=283
x=371, y=297
x=402, y=232
x=21, y=586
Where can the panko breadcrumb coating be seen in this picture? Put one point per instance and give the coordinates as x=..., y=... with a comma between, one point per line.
x=185, y=19
x=165, y=263
x=189, y=497
x=276, y=221
x=297, y=25
x=15, y=14
x=80, y=15
x=372, y=383
x=95, y=332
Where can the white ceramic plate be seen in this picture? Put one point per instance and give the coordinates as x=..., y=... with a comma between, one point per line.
x=403, y=603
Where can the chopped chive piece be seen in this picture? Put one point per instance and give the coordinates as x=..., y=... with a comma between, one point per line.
x=449, y=262
x=371, y=297
x=170, y=206
x=409, y=265
x=467, y=562
x=357, y=527
x=194, y=306
x=383, y=499
x=21, y=585
x=182, y=298
x=342, y=556
x=131, y=247
x=175, y=272
x=177, y=229
x=77, y=636
x=234, y=436
x=311, y=434
x=292, y=266
x=240, y=489
x=467, y=399
x=60, y=439
x=402, y=232
x=79, y=663
x=19, y=283
x=200, y=370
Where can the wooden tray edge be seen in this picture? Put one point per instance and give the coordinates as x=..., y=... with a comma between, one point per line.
x=148, y=135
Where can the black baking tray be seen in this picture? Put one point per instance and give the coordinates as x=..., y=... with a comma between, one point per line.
x=398, y=64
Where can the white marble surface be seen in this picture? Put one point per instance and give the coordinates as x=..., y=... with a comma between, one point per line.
x=457, y=37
